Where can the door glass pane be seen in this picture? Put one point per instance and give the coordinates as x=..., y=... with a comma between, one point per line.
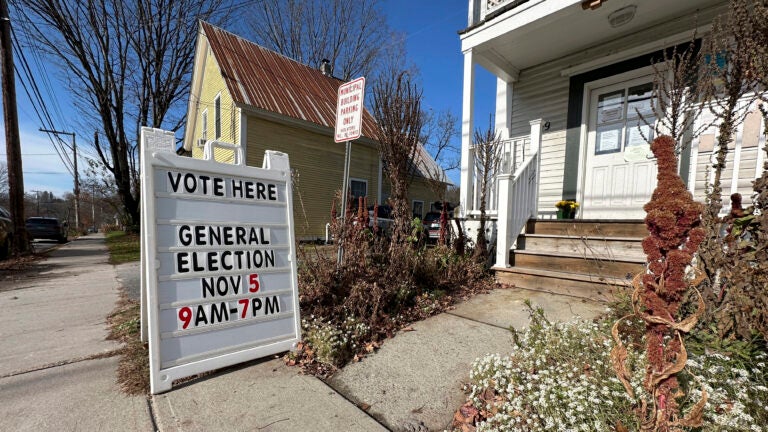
x=610, y=122
x=610, y=107
x=608, y=138
x=640, y=116
x=639, y=100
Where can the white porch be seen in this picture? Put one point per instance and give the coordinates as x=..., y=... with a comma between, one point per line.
x=545, y=55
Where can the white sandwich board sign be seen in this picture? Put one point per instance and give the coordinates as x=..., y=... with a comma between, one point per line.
x=349, y=110
x=220, y=261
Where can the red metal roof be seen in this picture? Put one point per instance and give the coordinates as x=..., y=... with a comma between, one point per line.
x=269, y=81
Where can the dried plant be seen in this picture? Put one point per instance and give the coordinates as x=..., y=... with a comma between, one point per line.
x=736, y=265
x=733, y=85
x=678, y=93
x=673, y=220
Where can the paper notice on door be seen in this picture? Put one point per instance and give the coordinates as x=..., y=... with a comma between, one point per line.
x=608, y=140
x=637, y=153
x=639, y=135
x=610, y=114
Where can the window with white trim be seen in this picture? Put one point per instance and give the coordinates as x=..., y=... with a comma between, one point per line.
x=418, y=209
x=358, y=188
x=217, y=115
x=204, y=126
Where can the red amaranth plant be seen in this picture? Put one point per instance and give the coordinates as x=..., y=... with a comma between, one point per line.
x=673, y=220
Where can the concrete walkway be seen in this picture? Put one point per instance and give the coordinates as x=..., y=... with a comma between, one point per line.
x=53, y=333
x=56, y=320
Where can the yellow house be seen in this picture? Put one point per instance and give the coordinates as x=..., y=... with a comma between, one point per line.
x=245, y=94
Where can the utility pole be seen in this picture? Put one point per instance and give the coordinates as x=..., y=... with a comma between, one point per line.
x=12, y=140
x=74, y=163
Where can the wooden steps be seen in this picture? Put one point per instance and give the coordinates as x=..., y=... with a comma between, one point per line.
x=583, y=258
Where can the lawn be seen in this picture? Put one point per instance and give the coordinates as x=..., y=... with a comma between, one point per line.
x=123, y=247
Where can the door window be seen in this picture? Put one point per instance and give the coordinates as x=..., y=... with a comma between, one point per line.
x=624, y=118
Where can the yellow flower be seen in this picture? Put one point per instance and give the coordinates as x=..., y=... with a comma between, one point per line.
x=563, y=204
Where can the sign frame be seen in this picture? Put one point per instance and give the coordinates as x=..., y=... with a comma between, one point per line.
x=275, y=169
x=349, y=109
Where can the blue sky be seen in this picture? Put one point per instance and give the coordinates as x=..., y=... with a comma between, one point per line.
x=433, y=45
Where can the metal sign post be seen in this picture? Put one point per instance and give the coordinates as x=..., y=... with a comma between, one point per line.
x=349, y=125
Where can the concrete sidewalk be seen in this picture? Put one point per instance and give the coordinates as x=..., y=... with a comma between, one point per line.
x=57, y=370
x=57, y=322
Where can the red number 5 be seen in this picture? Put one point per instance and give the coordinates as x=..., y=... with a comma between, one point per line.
x=253, y=283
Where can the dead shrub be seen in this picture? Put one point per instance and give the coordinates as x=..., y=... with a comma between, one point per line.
x=381, y=286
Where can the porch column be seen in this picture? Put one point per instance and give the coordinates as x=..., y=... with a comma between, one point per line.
x=474, y=12
x=504, y=238
x=466, y=200
x=503, y=107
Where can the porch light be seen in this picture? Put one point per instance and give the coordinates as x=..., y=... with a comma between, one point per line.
x=591, y=4
x=622, y=16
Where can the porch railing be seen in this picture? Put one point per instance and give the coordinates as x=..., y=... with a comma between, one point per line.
x=518, y=196
x=512, y=154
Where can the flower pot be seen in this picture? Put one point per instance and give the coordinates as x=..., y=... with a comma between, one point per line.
x=564, y=213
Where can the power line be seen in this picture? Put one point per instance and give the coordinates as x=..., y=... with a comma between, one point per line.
x=40, y=107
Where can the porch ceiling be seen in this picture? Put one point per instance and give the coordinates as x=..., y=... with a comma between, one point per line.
x=504, y=44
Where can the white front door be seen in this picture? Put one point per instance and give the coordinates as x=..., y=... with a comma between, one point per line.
x=620, y=174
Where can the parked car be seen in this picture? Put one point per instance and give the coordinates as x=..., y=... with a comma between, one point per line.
x=432, y=226
x=6, y=233
x=431, y=223
x=46, y=228
x=383, y=218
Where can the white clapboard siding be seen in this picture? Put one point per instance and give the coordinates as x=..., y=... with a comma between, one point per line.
x=542, y=92
x=744, y=158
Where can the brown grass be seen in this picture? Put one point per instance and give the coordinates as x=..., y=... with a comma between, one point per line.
x=124, y=326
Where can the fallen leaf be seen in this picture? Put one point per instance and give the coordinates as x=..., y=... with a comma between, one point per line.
x=468, y=411
x=620, y=427
x=364, y=406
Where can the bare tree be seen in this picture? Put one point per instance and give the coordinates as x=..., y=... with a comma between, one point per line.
x=128, y=63
x=397, y=109
x=440, y=129
x=730, y=75
x=487, y=151
x=678, y=93
x=349, y=33
x=3, y=179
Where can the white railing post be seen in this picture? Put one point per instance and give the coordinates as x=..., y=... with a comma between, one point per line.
x=503, y=221
x=518, y=196
x=536, y=149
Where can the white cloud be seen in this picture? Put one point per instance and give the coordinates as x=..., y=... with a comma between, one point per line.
x=42, y=167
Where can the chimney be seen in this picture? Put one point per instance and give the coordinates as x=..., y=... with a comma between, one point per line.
x=326, y=68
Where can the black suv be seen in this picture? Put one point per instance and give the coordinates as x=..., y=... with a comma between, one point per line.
x=46, y=228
